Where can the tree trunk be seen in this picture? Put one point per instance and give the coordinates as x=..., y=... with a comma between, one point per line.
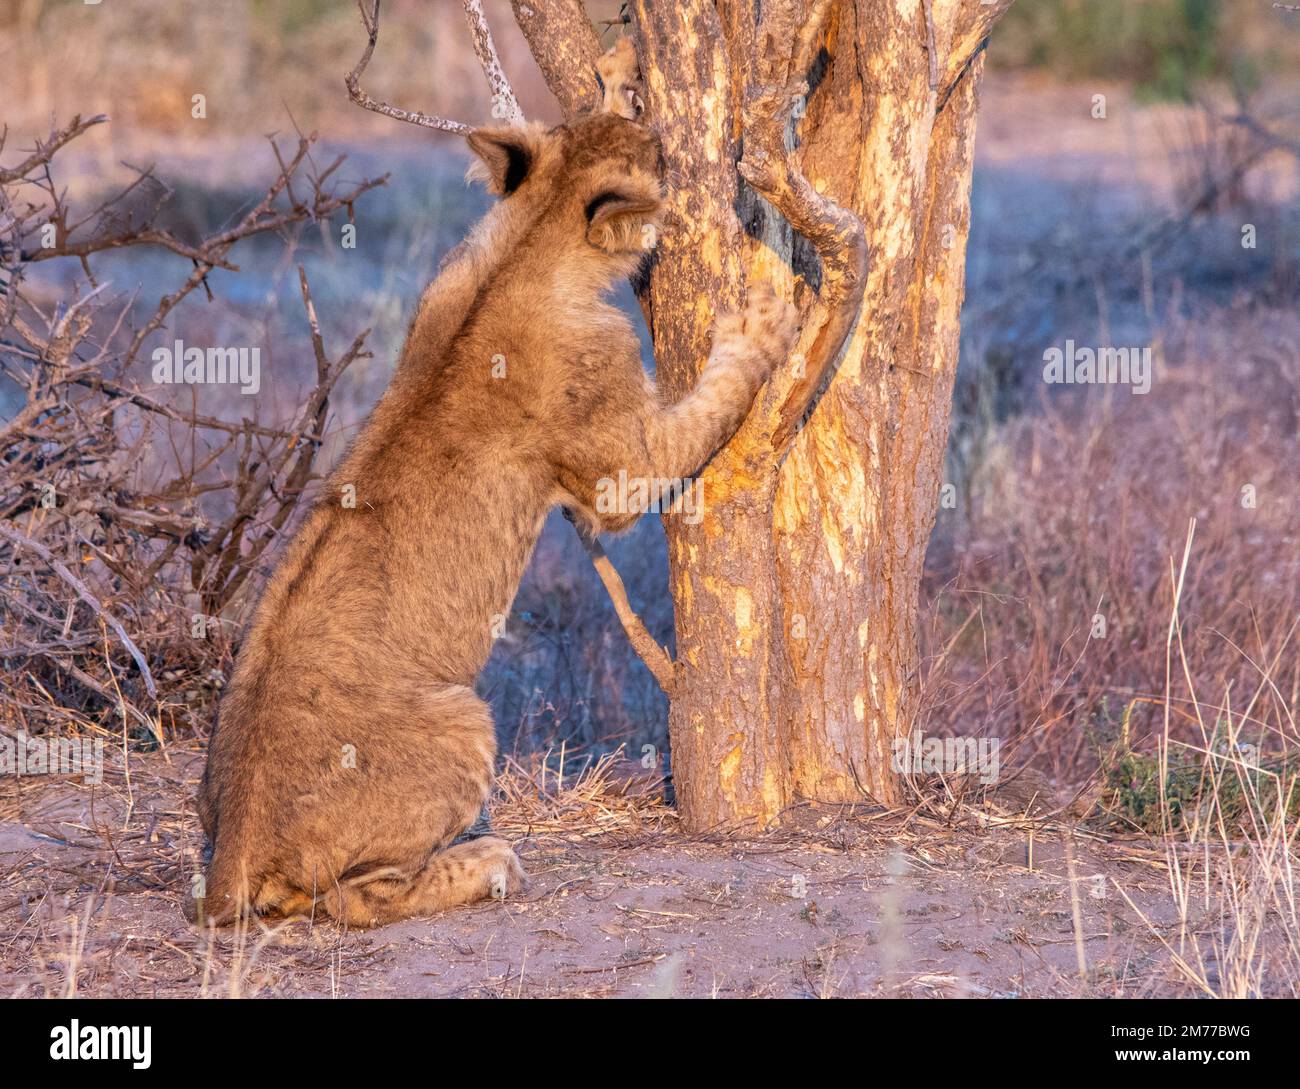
x=796, y=595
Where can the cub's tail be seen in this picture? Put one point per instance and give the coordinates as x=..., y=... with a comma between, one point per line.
x=228, y=890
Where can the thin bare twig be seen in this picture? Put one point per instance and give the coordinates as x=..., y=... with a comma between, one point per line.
x=45, y=151
x=647, y=648
x=84, y=452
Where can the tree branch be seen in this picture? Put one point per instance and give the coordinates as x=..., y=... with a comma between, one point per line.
x=505, y=107
x=974, y=23
x=263, y=218
x=103, y=469
x=566, y=48
x=45, y=151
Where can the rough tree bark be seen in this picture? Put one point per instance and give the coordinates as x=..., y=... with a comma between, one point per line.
x=796, y=596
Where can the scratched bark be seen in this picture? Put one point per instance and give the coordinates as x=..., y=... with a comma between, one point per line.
x=796, y=596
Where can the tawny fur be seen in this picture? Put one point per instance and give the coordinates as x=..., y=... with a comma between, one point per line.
x=351, y=749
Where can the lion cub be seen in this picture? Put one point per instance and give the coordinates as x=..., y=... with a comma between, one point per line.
x=351, y=749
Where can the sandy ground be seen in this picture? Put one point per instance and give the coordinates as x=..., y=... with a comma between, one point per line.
x=839, y=902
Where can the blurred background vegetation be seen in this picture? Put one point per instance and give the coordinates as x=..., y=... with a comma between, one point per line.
x=1166, y=48
x=141, y=60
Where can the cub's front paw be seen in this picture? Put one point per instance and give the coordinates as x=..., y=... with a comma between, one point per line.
x=765, y=332
x=771, y=322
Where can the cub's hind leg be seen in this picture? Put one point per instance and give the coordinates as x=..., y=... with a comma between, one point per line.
x=422, y=782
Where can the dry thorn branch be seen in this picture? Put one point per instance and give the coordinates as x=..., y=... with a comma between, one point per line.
x=504, y=104
x=22, y=541
x=157, y=500
x=45, y=151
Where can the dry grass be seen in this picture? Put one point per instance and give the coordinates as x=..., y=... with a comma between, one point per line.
x=1215, y=807
x=1231, y=864
x=605, y=795
x=1073, y=514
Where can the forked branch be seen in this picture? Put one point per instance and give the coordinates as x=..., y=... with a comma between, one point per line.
x=505, y=107
x=786, y=43
x=566, y=48
x=370, y=20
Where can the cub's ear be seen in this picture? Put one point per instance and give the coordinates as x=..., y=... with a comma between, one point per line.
x=506, y=155
x=625, y=217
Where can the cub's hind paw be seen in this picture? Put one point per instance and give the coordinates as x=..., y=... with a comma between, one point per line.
x=502, y=875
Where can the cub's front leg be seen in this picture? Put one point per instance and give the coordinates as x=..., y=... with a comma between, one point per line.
x=747, y=348
x=647, y=450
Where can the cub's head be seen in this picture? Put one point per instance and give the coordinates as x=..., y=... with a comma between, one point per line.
x=592, y=183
